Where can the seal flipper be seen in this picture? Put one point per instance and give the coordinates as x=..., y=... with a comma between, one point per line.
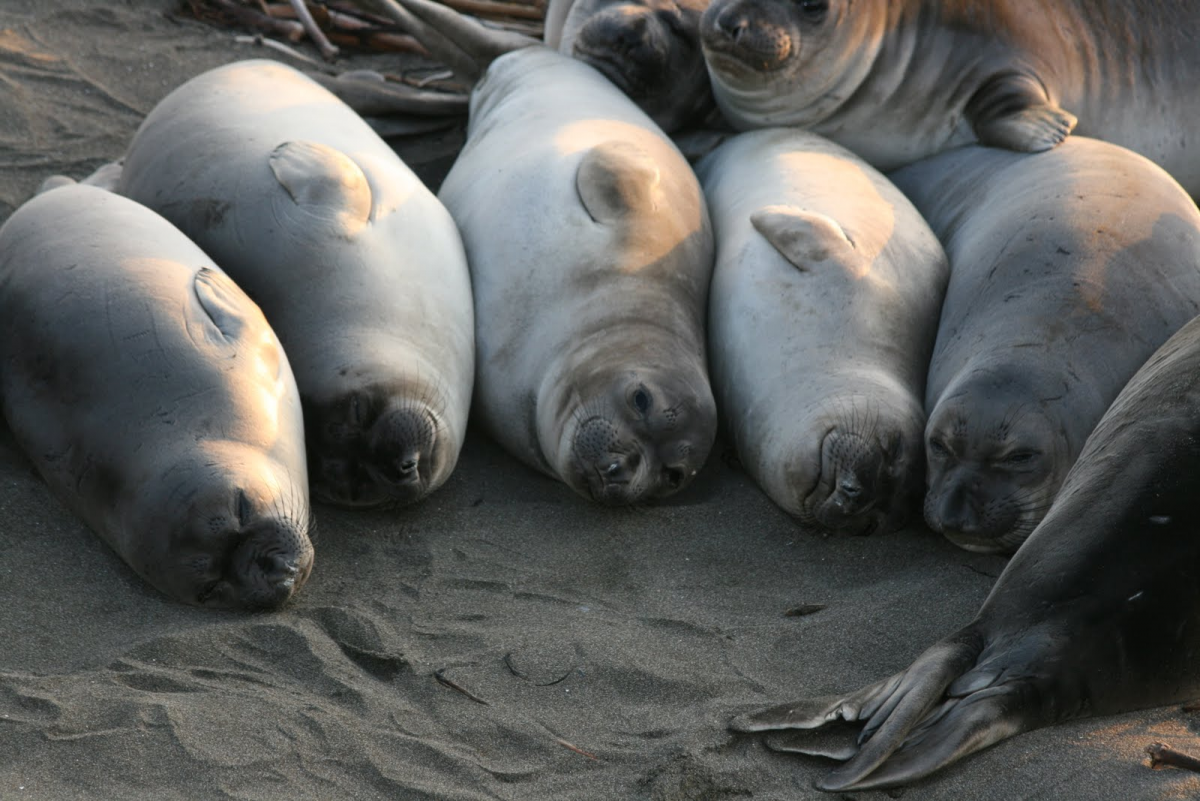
x=325, y=181
x=221, y=300
x=616, y=179
x=806, y=238
x=893, y=709
x=1013, y=111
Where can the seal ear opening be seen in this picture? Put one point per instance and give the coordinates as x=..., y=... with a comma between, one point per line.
x=323, y=180
x=221, y=300
x=616, y=179
x=805, y=238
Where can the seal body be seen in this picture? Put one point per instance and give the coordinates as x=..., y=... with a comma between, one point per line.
x=1096, y=614
x=649, y=48
x=898, y=80
x=591, y=252
x=356, y=264
x=153, y=397
x=1068, y=269
x=822, y=315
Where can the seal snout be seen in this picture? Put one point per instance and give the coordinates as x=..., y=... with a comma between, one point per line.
x=853, y=483
x=747, y=33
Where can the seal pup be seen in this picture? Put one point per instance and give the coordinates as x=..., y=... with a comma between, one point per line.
x=356, y=264
x=1068, y=269
x=154, y=399
x=822, y=315
x=1095, y=615
x=591, y=252
x=900, y=80
x=650, y=49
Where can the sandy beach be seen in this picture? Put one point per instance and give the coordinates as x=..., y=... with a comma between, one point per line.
x=504, y=639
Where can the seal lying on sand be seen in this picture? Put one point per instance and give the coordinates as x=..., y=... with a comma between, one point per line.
x=1068, y=269
x=356, y=264
x=153, y=397
x=900, y=80
x=591, y=253
x=650, y=49
x=822, y=315
x=1096, y=614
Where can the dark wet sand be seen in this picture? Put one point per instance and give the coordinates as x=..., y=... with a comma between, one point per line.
x=632, y=635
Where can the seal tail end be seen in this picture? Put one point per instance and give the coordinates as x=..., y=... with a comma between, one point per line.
x=904, y=727
x=466, y=46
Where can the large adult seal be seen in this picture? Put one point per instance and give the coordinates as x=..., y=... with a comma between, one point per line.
x=153, y=397
x=356, y=264
x=650, y=49
x=1096, y=614
x=898, y=80
x=822, y=315
x=591, y=253
x=1068, y=269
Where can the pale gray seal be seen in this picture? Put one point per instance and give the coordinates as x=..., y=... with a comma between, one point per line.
x=822, y=315
x=649, y=48
x=355, y=263
x=153, y=397
x=591, y=252
x=898, y=80
x=1095, y=615
x=1068, y=269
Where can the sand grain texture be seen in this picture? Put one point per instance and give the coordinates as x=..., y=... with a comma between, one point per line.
x=631, y=635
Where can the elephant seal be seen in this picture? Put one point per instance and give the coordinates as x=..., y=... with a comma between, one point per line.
x=591, y=251
x=650, y=49
x=1095, y=615
x=822, y=315
x=899, y=80
x=1068, y=269
x=356, y=264
x=154, y=399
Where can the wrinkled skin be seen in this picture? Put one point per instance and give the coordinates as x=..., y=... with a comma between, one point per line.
x=896, y=81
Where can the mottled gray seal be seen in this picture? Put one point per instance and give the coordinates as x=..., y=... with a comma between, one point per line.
x=591, y=252
x=356, y=264
x=822, y=315
x=899, y=80
x=153, y=397
x=1095, y=615
x=649, y=48
x=1068, y=269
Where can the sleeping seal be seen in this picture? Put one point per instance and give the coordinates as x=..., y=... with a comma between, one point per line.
x=1095, y=615
x=355, y=263
x=591, y=252
x=153, y=397
x=650, y=49
x=899, y=80
x=822, y=315
x=1068, y=269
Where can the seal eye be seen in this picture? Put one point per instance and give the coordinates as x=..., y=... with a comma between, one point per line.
x=358, y=410
x=1020, y=458
x=641, y=400
x=815, y=10
x=937, y=448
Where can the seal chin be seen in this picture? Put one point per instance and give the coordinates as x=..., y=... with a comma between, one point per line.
x=1005, y=543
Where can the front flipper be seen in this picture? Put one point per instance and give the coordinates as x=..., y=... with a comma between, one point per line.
x=807, y=238
x=1013, y=111
x=908, y=727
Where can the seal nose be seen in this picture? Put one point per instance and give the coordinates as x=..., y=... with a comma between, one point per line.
x=955, y=514
x=850, y=486
x=732, y=23
x=278, y=570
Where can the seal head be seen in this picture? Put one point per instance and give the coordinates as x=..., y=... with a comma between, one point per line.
x=650, y=49
x=624, y=436
x=996, y=458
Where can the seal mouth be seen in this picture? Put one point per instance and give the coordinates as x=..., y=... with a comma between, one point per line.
x=261, y=571
x=1005, y=543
